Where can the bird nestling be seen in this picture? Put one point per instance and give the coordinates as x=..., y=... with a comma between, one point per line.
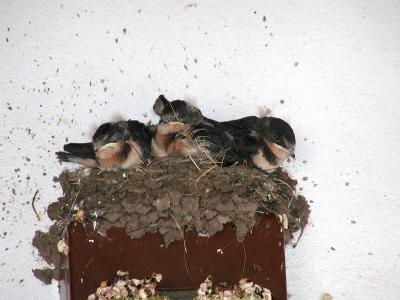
x=176, y=111
x=128, y=144
x=276, y=142
x=263, y=142
x=206, y=134
x=201, y=139
x=115, y=145
x=266, y=141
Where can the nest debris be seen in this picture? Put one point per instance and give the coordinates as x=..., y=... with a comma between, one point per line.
x=244, y=290
x=124, y=288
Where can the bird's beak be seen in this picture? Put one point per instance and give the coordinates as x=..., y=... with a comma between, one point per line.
x=290, y=148
x=291, y=153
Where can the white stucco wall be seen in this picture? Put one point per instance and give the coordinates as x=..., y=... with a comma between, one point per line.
x=336, y=65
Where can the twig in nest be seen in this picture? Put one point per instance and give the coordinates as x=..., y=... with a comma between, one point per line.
x=33, y=205
x=65, y=221
x=76, y=196
x=180, y=230
x=266, y=208
x=200, y=142
x=202, y=175
x=143, y=227
x=244, y=261
x=140, y=169
x=147, y=165
x=194, y=162
x=184, y=246
x=283, y=182
x=279, y=199
x=291, y=199
x=264, y=198
x=289, y=187
x=298, y=239
x=302, y=226
x=185, y=261
x=203, y=145
x=222, y=154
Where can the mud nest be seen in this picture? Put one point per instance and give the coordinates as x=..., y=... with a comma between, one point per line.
x=170, y=196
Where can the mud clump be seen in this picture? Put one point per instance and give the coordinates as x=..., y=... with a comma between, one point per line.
x=169, y=197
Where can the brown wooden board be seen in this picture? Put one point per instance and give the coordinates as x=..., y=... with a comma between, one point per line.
x=94, y=258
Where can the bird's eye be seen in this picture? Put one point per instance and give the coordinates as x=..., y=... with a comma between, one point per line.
x=277, y=139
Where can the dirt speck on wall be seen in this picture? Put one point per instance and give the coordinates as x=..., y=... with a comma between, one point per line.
x=168, y=197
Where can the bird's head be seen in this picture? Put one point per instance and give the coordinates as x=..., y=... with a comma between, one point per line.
x=176, y=111
x=110, y=133
x=160, y=104
x=278, y=133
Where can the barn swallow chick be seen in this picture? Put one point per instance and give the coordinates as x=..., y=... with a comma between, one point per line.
x=176, y=111
x=276, y=143
x=115, y=145
x=264, y=142
x=196, y=133
x=178, y=139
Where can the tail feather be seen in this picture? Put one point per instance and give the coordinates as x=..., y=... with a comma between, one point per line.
x=85, y=150
x=75, y=158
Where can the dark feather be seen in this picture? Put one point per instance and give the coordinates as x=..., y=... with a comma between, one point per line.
x=249, y=123
x=80, y=148
x=83, y=159
x=220, y=142
x=160, y=104
x=176, y=111
x=142, y=135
